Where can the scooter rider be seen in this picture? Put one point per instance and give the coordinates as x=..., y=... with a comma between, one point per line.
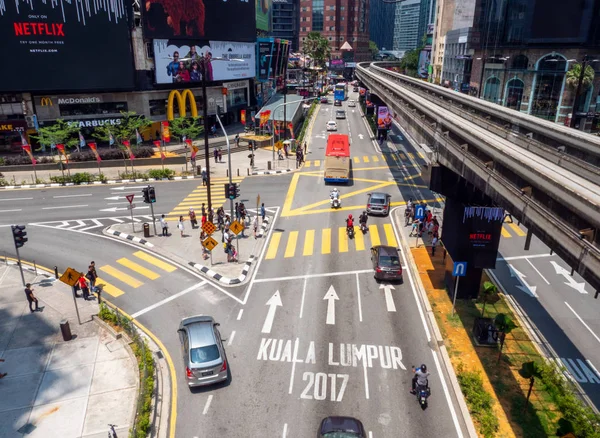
x=335, y=194
x=364, y=217
x=349, y=223
x=420, y=378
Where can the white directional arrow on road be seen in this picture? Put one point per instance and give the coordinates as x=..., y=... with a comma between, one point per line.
x=331, y=297
x=530, y=290
x=273, y=303
x=389, y=300
x=361, y=136
x=128, y=188
x=116, y=198
x=113, y=209
x=571, y=282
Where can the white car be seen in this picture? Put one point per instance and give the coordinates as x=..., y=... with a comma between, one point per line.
x=351, y=103
x=332, y=125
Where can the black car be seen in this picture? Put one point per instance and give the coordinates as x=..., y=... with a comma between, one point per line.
x=386, y=263
x=341, y=427
x=355, y=89
x=337, y=103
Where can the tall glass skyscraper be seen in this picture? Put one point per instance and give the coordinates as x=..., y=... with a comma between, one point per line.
x=406, y=25
x=381, y=23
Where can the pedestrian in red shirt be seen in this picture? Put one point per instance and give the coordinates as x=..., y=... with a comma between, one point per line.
x=84, y=288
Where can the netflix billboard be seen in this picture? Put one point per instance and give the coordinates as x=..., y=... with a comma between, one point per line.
x=65, y=45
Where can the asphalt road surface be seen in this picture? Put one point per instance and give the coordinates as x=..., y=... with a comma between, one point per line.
x=310, y=335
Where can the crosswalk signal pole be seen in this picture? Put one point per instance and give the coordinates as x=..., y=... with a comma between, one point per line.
x=152, y=198
x=19, y=238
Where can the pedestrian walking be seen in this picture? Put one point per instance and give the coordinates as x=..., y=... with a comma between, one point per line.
x=216, y=154
x=305, y=148
x=193, y=220
x=415, y=228
x=164, y=226
x=236, y=210
x=83, y=285
x=204, y=176
x=205, y=252
x=263, y=212
x=211, y=215
x=407, y=216
x=434, y=243
x=31, y=298
x=180, y=225
x=204, y=219
x=237, y=140
x=91, y=276
x=220, y=156
x=251, y=156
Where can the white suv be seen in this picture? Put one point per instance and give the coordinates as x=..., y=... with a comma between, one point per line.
x=332, y=125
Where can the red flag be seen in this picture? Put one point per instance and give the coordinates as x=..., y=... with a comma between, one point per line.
x=162, y=154
x=128, y=147
x=27, y=149
x=243, y=117
x=166, y=133
x=61, y=148
x=291, y=128
x=94, y=150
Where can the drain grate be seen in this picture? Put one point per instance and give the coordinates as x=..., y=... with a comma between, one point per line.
x=27, y=429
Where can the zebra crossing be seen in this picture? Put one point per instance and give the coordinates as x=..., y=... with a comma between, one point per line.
x=371, y=159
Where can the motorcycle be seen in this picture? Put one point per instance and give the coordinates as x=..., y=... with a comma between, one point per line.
x=335, y=202
x=422, y=393
x=350, y=231
x=363, y=227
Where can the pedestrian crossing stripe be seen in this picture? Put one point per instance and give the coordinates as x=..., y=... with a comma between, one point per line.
x=167, y=267
x=121, y=276
x=138, y=268
x=297, y=243
x=365, y=159
x=518, y=231
x=199, y=196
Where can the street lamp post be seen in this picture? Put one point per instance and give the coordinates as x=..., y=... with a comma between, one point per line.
x=273, y=115
x=228, y=157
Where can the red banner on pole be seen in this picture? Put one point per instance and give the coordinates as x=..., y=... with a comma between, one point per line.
x=61, y=148
x=291, y=128
x=27, y=149
x=166, y=133
x=128, y=147
x=162, y=154
x=94, y=151
x=243, y=117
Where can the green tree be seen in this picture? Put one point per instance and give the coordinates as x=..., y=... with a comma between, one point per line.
x=317, y=47
x=373, y=49
x=574, y=73
x=530, y=370
x=410, y=62
x=60, y=132
x=488, y=290
x=505, y=325
x=125, y=130
x=188, y=127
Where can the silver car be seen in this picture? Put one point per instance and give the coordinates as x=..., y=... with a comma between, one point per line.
x=202, y=349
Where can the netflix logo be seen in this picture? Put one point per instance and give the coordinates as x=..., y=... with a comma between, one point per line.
x=480, y=236
x=43, y=29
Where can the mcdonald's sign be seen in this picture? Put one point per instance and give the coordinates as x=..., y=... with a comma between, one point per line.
x=46, y=101
x=181, y=101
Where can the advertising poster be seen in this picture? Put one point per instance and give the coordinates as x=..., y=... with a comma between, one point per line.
x=199, y=19
x=276, y=54
x=265, y=52
x=183, y=61
x=282, y=57
x=384, y=118
x=50, y=45
x=263, y=14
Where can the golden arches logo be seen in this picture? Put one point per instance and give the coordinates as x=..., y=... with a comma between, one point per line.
x=46, y=101
x=181, y=100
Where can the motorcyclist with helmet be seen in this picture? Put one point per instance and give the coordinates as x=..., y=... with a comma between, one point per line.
x=421, y=378
x=349, y=224
x=335, y=194
x=364, y=217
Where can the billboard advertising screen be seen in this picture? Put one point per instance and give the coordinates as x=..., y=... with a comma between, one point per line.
x=180, y=61
x=384, y=119
x=265, y=52
x=202, y=19
x=263, y=14
x=49, y=45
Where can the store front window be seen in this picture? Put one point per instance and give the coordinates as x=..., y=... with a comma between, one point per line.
x=548, y=86
x=158, y=107
x=83, y=109
x=491, y=92
x=514, y=94
x=10, y=135
x=237, y=97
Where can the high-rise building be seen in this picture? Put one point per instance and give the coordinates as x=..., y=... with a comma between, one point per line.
x=426, y=17
x=339, y=21
x=286, y=21
x=381, y=23
x=406, y=25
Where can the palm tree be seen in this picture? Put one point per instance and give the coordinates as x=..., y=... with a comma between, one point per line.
x=317, y=47
x=575, y=72
x=530, y=370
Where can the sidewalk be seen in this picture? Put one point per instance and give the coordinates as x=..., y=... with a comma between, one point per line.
x=55, y=388
x=187, y=250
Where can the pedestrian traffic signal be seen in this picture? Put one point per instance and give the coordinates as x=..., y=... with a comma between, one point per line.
x=227, y=190
x=146, y=193
x=232, y=191
x=151, y=194
x=19, y=235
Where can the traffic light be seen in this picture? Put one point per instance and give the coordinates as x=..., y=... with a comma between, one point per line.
x=237, y=190
x=232, y=191
x=227, y=190
x=146, y=193
x=151, y=194
x=19, y=235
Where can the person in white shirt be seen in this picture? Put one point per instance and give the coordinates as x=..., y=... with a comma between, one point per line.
x=164, y=226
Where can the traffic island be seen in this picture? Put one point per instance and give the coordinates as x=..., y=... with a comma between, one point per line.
x=210, y=261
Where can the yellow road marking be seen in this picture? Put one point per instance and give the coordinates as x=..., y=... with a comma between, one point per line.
x=375, y=158
x=356, y=160
x=374, y=233
x=402, y=156
x=109, y=288
x=138, y=268
x=326, y=241
x=421, y=155
x=389, y=235
x=317, y=163
x=154, y=261
x=366, y=159
x=122, y=276
x=307, y=163
x=343, y=239
x=309, y=240
x=410, y=155
x=505, y=233
x=517, y=230
x=273, y=245
x=359, y=239
x=290, y=249
x=395, y=158
x=289, y=198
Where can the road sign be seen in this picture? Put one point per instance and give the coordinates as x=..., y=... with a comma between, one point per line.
x=236, y=227
x=209, y=227
x=257, y=200
x=420, y=211
x=459, y=269
x=279, y=145
x=70, y=276
x=130, y=206
x=209, y=243
x=130, y=198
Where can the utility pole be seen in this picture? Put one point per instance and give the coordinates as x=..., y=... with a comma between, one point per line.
x=206, y=128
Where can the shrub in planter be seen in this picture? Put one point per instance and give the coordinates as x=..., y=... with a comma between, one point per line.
x=3, y=182
x=78, y=178
x=60, y=179
x=161, y=173
x=133, y=175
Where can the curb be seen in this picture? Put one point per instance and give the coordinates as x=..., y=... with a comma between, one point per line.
x=263, y=227
x=98, y=183
x=218, y=277
x=129, y=237
x=271, y=172
x=26, y=266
